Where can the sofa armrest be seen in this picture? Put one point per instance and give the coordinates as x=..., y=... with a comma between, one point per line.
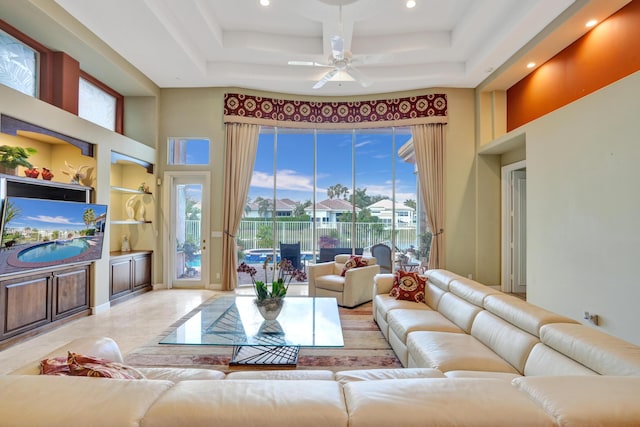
x=317, y=270
x=382, y=283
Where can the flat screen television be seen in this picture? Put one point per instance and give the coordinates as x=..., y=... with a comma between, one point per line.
x=41, y=233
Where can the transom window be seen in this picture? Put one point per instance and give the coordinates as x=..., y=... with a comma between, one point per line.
x=188, y=151
x=96, y=105
x=18, y=65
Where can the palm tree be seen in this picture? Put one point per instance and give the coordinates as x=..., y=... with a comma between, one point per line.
x=89, y=217
x=337, y=191
x=265, y=206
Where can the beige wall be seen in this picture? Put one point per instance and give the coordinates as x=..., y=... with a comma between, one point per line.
x=198, y=113
x=583, y=208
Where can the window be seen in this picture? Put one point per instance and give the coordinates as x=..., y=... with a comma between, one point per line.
x=188, y=151
x=96, y=105
x=18, y=65
x=342, y=189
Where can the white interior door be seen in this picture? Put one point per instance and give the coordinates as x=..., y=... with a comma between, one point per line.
x=187, y=245
x=519, y=227
x=514, y=228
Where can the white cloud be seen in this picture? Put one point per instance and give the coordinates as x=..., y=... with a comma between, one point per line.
x=53, y=220
x=287, y=180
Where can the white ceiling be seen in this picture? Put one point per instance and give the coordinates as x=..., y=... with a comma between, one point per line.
x=215, y=43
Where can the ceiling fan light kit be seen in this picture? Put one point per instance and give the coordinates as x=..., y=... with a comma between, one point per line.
x=340, y=60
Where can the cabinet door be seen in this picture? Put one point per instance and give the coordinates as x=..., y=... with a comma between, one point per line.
x=120, y=277
x=141, y=271
x=70, y=292
x=25, y=304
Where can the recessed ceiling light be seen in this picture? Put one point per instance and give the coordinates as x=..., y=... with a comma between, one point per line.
x=411, y=4
x=531, y=64
x=265, y=3
x=591, y=23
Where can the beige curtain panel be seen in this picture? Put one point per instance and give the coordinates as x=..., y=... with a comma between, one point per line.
x=240, y=156
x=428, y=145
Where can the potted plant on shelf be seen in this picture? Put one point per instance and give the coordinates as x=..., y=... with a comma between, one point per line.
x=271, y=301
x=12, y=157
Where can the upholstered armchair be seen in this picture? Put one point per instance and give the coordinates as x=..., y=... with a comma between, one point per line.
x=350, y=290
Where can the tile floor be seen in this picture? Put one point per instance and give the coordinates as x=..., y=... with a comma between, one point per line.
x=131, y=323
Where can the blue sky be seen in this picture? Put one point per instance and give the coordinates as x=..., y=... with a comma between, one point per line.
x=51, y=215
x=374, y=159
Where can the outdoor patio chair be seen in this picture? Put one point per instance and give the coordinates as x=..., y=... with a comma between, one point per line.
x=291, y=252
x=382, y=253
x=350, y=290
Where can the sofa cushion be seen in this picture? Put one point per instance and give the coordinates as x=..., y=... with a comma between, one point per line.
x=458, y=311
x=506, y=376
x=441, y=278
x=344, y=377
x=403, y=321
x=448, y=351
x=180, y=374
x=510, y=343
x=471, y=291
x=249, y=403
x=408, y=286
x=331, y=282
x=453, y=352
x=386, y=303
x=584, y=401
x=440, y=402
x=544, y=360
x=284, y=374
x=596, y=350
x=432, y=295
x=40, y=400
x=521, y=313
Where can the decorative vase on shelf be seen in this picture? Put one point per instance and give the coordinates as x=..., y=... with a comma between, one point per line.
x=270, y=308
x=46, y=174
x=32, y=172
x=125, y=247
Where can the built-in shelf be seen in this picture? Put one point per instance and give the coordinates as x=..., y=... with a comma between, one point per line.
x=130, y=190
x=130, y=222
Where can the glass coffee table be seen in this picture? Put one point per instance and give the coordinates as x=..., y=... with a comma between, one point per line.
x=235, y=321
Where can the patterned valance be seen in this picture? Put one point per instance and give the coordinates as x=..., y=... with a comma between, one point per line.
x=239, y=108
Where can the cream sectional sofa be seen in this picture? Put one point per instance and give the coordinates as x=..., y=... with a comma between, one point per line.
x=466, y=329
x=474, y=357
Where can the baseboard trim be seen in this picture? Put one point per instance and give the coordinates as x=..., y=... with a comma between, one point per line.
x=102, y=308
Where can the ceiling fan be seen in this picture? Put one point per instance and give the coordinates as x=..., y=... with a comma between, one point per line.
x=340, y=60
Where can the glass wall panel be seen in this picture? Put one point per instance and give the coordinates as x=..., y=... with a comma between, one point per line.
x=328, y=192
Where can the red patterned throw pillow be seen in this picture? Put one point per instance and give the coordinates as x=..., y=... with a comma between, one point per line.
x=409, y=286
x=54, y=366
x=354, y=261
x=89, y=366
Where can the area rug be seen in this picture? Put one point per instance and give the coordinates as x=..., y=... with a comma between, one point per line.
x=364, y=348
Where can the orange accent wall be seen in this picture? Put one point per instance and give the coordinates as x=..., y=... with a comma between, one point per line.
x=607, y=53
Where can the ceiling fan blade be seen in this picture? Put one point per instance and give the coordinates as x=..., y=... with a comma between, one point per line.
x=359, y=77
x=308, y=64
x=325, y=79
x=337, y=48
